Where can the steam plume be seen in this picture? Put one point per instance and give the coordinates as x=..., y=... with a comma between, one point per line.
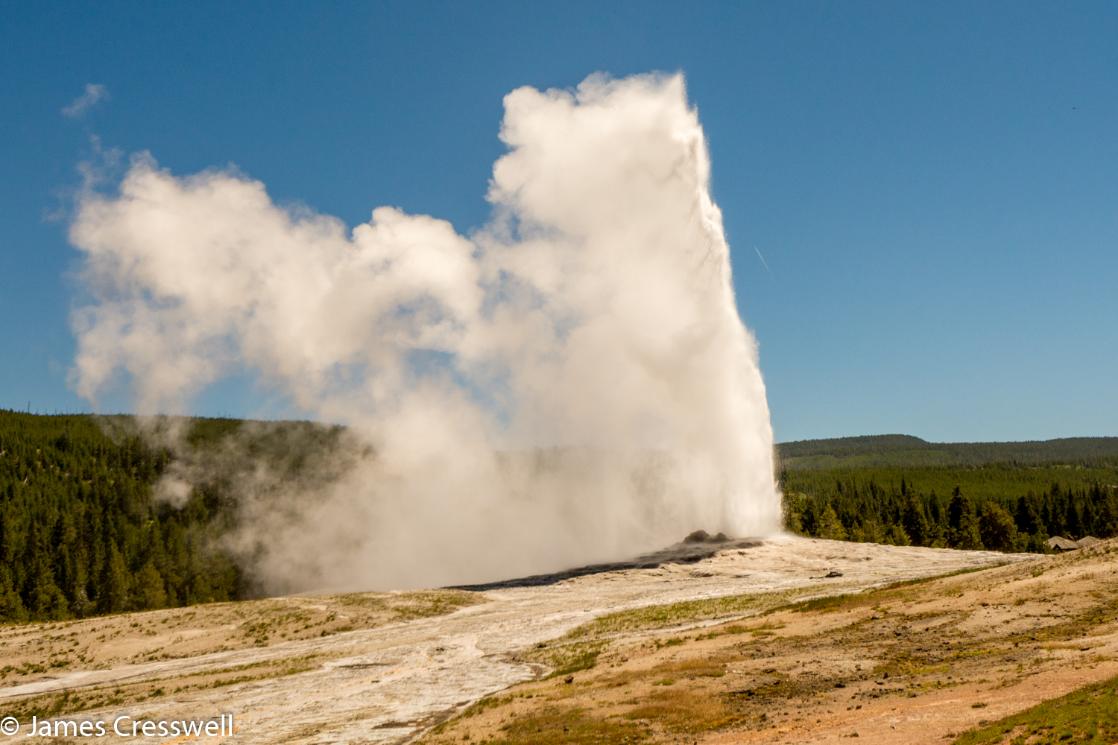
x=571, y=383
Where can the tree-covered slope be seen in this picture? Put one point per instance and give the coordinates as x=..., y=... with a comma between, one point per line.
x=906, y=450
x=81, y=532
x=899, y=489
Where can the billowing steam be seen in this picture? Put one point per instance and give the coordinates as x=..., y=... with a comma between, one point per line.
x=571, y=383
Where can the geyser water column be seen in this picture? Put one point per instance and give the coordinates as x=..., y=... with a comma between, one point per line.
x=571, y=383
x=622, y=248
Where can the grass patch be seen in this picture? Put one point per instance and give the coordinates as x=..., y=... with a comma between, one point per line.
x=697, y=667
x=654, y=617
x=577, y=657
x=686, y=711
x=573, y=726
x=434, y=603
x=489, y=702
x=566, y=658
x=1088, y=716
x=895, y=591
x=829, y=603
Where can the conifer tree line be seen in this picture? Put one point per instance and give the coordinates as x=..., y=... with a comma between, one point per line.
x=878, y=506
x=81, y=535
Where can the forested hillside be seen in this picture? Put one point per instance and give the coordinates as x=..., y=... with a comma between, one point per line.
x=80, y=531
x=905, y=450
x=82, y=534
x=903, y=490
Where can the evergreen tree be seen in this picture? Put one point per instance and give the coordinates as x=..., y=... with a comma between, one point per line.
x=996, y=527
x=1073, y=519
x=11, y=605
x=963, y=532
x=915, y=522
x=149, y=589
x=968, y=537
x=809, y=519
x=868, y=531
x=113, y=591
x=1107, y=520
x=896, y=536
x=829, y=525
x=1026, y=516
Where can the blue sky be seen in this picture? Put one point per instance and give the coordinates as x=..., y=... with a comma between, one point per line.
x=934, y=186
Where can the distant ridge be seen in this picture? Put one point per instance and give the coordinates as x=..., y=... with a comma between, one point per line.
x=906, y=450
x=835, y=452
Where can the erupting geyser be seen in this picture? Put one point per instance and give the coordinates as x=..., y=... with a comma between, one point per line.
x=572, y=383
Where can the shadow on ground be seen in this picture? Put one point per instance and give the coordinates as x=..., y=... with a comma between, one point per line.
x=691, y=550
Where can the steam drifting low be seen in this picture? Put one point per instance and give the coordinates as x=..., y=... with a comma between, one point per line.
x=569, y=384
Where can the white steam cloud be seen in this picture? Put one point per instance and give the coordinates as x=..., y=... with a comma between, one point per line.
x=92, y=94
x=572, y=383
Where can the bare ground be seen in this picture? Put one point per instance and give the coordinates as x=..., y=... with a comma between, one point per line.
x=697, y=644
x=913, y=663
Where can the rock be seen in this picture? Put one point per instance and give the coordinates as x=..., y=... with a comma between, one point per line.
x=701, y=536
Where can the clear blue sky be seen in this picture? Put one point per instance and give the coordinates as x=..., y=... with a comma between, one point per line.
x=934, y=186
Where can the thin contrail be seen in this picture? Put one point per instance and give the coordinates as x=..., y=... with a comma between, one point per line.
x=762, y=258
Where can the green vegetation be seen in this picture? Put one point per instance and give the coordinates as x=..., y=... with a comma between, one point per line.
x=999, y=496
x=80, y=531
x=908, y=451
x=565, y=657
x=675, y=614
x=570, y=725
x=1088, y=715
